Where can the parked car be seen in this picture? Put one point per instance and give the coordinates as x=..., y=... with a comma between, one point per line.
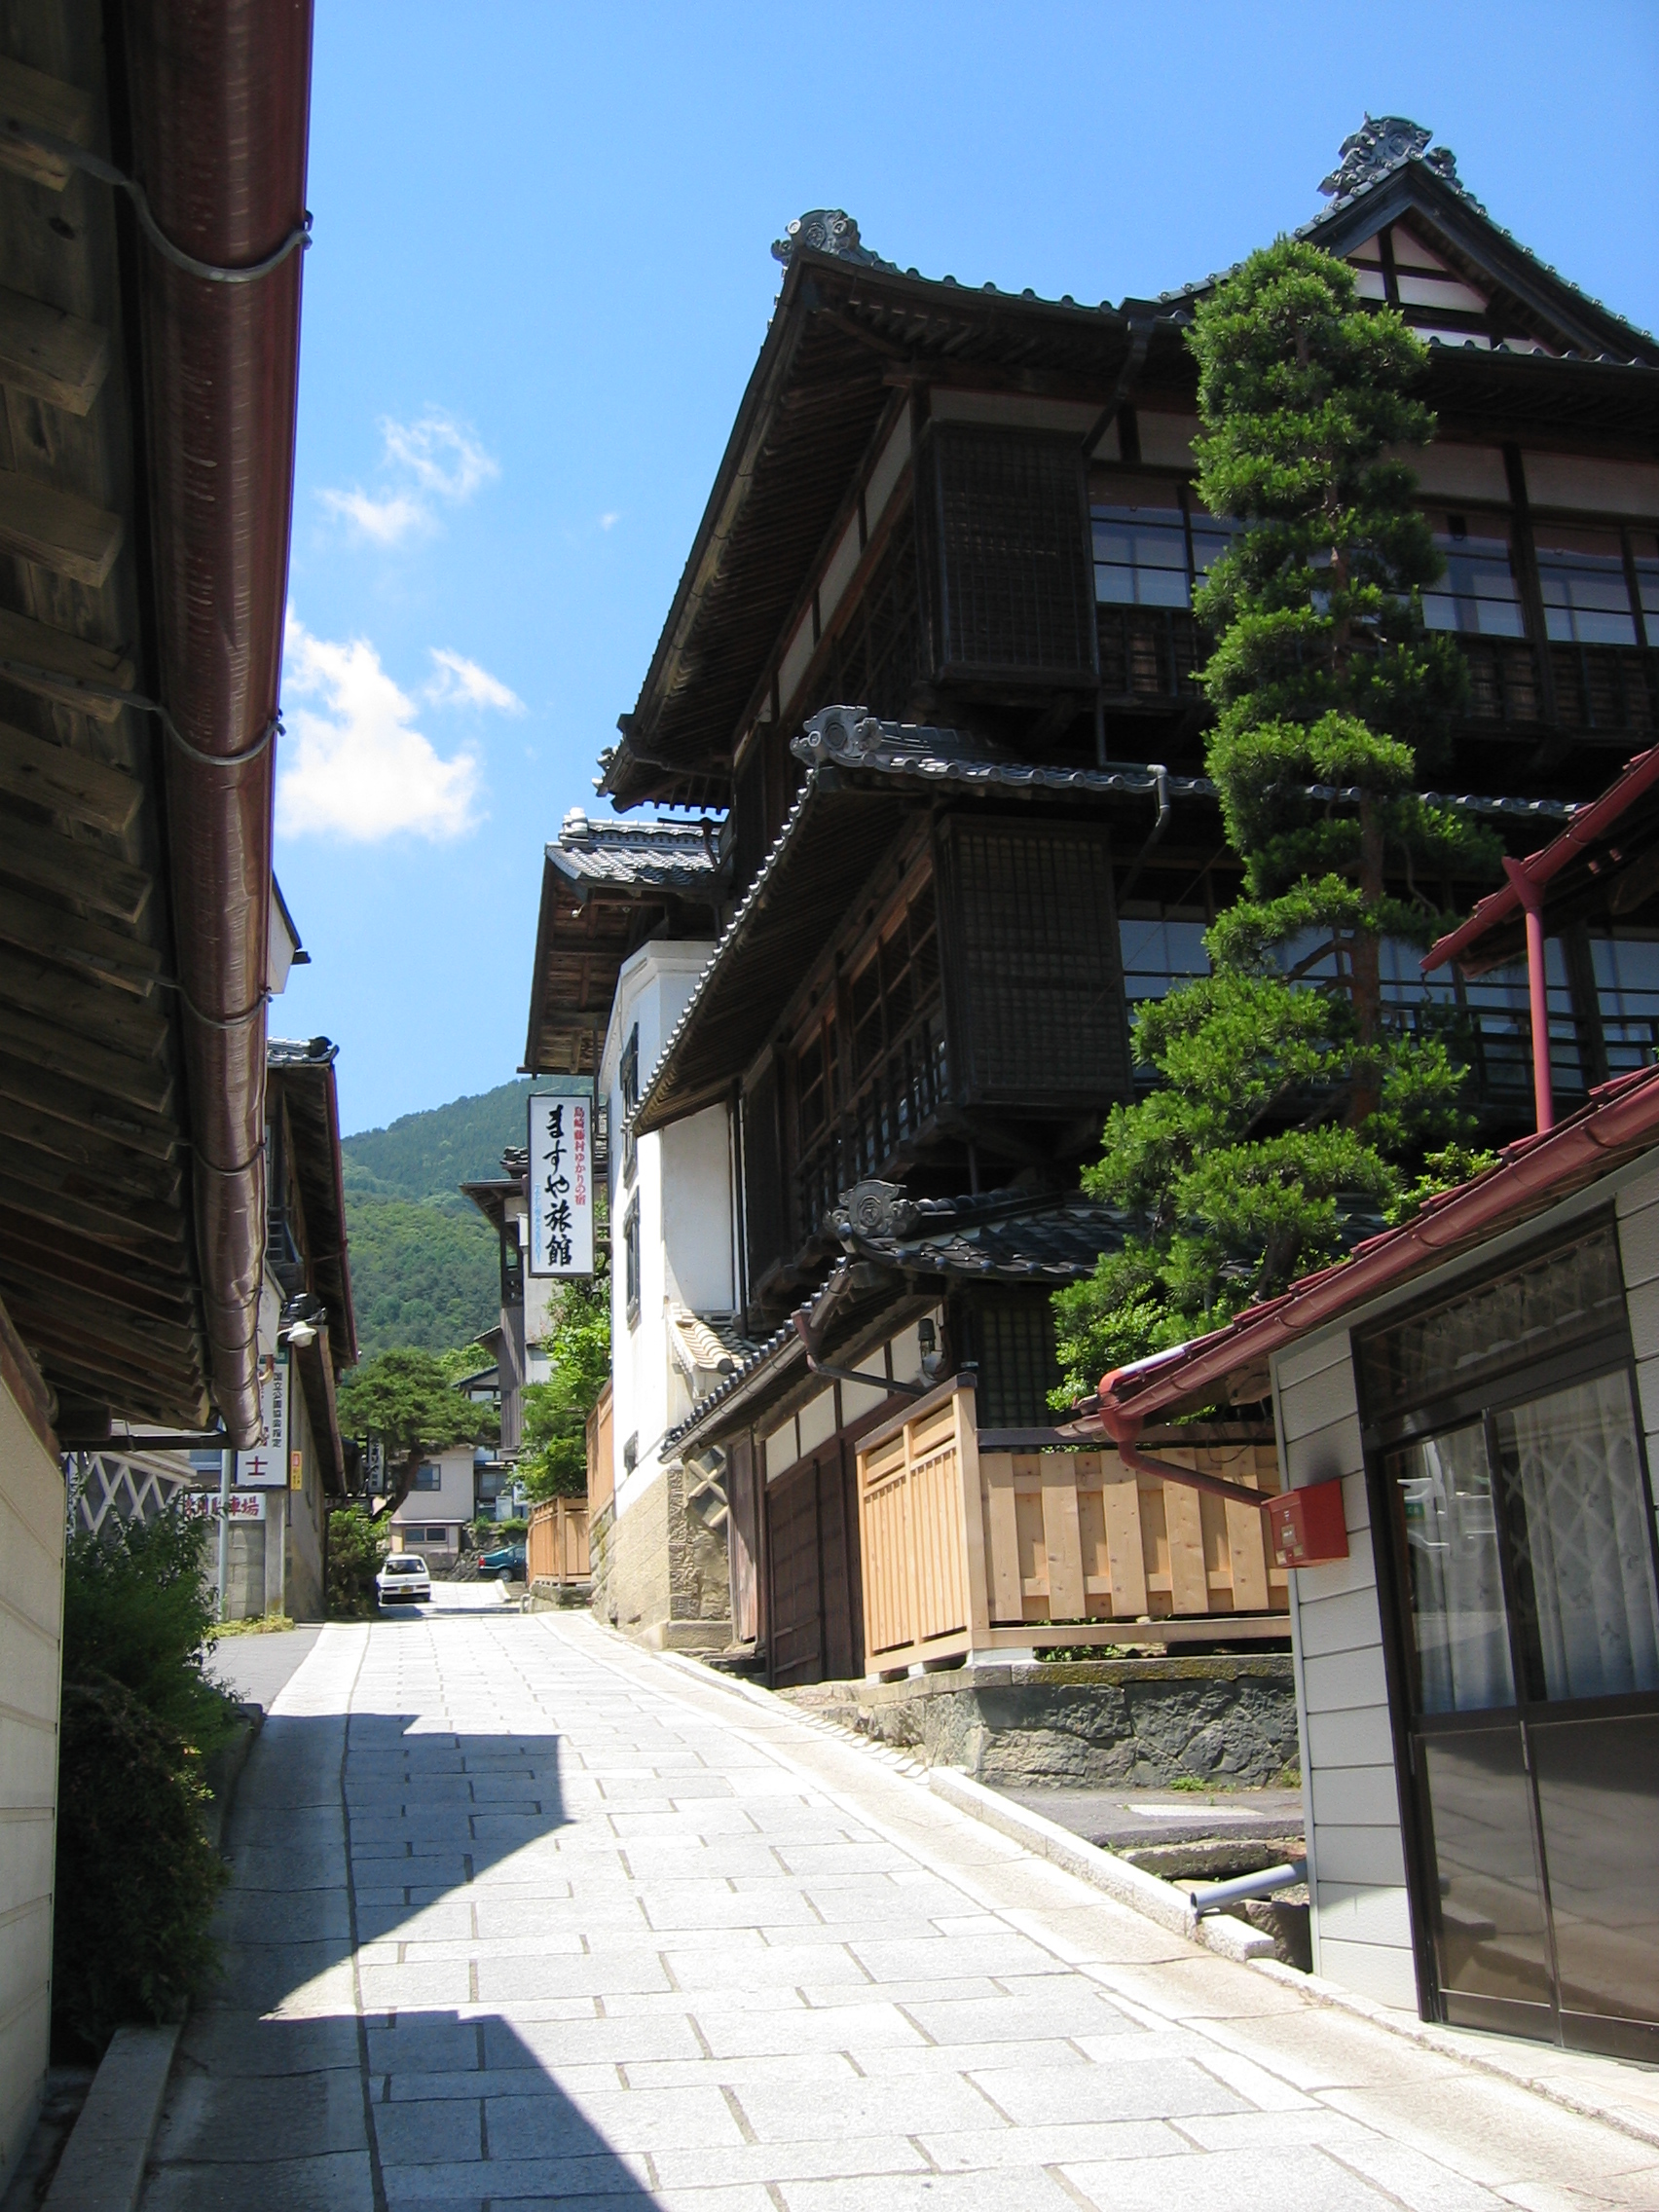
x=508, y=1561
x=404, y=1580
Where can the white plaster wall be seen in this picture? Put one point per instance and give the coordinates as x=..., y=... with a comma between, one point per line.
x=688, y=1160
x=31, y=1622
x=451, y=1501
x=1355, y=1856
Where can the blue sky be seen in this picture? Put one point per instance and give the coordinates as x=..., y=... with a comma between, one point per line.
x=540, y=277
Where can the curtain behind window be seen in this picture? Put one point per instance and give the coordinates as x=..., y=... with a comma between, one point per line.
x=1576, y=1506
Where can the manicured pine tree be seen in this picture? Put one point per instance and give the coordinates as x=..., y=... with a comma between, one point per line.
x=1290, y=1106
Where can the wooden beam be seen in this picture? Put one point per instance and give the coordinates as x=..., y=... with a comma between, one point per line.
x=107, y=1119
x=57, y=529
x=105, y=1359
x=60, y=1199
x=67, y=780
x=137, y=1082
x=49, y=355
x=38, y=1143
x=65, y=1268
x=98, y=1010
x=84, y=872
x=64, y=111
x=126, y=963
x=55, y=653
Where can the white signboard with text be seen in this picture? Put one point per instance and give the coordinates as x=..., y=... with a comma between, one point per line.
x=561, y=1177
x=266, y=1466
x=203, y=1505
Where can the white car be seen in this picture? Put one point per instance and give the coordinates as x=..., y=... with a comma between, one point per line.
x=404, y=1581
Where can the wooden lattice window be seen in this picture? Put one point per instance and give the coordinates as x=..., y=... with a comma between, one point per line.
x=1013, y=1343
x=1007, y=558
x=1037, y=987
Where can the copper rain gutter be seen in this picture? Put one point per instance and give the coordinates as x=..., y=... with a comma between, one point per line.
x=220, y=94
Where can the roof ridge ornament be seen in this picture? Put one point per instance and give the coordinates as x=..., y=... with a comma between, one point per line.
x=826, y=230
x=1381, y=144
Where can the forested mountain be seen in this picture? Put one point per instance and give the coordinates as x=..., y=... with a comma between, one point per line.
x=424, y=1264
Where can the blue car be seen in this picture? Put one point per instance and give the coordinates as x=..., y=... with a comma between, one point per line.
x=508, y=1561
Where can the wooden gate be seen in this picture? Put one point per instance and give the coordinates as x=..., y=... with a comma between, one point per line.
x=812, y=1575
x=556, y=1547
x=966, y=1550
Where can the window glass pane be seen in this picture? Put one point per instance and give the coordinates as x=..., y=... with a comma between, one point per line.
x=1646, y=546
x=1554, y=1300
x=1586, y=596
x=1212, y=534
x=1477, y=595
x=1627, y=987
x=1140, y=556
x=1157, y=954
x=1441, y=1491
x=1575, y=1505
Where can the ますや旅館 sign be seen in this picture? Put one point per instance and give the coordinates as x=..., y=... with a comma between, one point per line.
x=561, y=1178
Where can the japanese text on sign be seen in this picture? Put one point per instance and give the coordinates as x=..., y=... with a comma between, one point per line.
x=266, y=1466
x=561, y=1181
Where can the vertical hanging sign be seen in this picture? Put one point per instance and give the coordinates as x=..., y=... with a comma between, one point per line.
x=561, y=1178
x=266, y=1466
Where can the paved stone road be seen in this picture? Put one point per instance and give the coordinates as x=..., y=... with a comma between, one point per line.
x=521, y=1915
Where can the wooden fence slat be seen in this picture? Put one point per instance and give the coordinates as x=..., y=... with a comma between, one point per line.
x=1189, y=1582
x=1119, y=1496
x=1062, y=1538
x=1002, y=1536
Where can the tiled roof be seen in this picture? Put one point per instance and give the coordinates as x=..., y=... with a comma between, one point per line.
x=994, y=1237
x=300, y=1051
x=653, y=855
x=851, y=738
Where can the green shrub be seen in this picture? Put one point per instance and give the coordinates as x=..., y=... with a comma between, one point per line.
x=356, y=1546
x=136, y=1876
x=137, y=1609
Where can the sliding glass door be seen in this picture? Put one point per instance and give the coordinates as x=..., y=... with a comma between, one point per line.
x=1522, y=1548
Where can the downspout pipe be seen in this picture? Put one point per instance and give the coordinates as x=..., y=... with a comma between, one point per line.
x=1124, y=1432
x=1532, y=898
x=220, y=94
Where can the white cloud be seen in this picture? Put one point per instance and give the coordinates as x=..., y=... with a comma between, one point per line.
x=385, y=520
x=608, y=522
x=354, y=765
x=437, y=459
x=442, y=455
x=460, y=681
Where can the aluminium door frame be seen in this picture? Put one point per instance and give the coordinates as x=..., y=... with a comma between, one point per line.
x=1608, y=1352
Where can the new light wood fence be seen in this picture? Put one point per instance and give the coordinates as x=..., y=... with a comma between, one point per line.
x=556, y=1547
x=965, y=1550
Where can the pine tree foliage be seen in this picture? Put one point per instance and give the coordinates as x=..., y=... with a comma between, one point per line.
x=1290, y=1104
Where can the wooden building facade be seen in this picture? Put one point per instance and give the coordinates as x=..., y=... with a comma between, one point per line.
x=933, y=658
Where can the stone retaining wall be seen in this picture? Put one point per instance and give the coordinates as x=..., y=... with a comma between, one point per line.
x=1140, y=1722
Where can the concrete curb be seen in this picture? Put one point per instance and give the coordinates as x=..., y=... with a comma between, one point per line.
x=102, y=2166
x=224, y=1771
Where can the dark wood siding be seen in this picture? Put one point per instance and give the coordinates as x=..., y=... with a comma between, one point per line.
x=764, y=1212
x=1036, y=986
x=815, y=1595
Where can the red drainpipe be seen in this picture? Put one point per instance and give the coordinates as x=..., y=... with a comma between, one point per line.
x=220, y=94
x=1532, y=898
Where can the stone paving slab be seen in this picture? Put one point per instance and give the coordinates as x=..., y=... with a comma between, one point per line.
x=521, y=1914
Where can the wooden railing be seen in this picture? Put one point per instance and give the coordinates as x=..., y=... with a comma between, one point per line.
x=970, y=1551
x=556, y=1547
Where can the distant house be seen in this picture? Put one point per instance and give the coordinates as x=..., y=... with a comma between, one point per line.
x=442, y=1500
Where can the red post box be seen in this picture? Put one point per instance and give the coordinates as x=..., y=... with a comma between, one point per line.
x=1306, y=1528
